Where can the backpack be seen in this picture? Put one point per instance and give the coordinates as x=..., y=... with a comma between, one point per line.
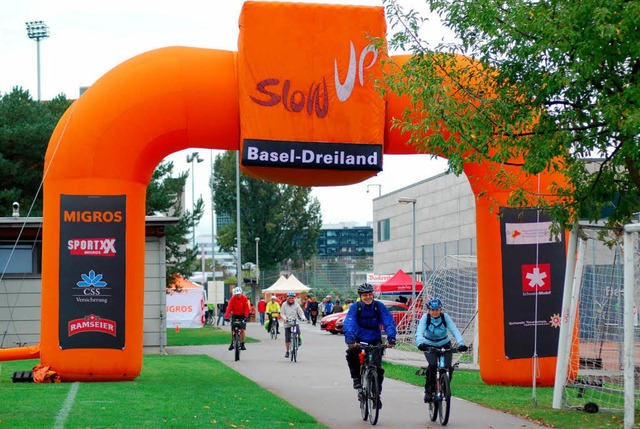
x=375, y=308
x=441, y=317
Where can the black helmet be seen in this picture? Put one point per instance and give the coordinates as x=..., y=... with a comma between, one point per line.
x=365, y=288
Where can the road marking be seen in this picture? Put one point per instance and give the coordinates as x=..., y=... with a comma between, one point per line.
x=66, y=407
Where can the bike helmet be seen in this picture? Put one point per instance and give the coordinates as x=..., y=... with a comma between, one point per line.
x=365, y=288
x=434, y=304
x=237, y=290
x=291, y=294
x=273, y=297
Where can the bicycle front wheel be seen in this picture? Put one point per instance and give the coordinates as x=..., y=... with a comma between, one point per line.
x=373, y=396
x=362, y=397
x=445, y=403
x=236, y=344
x=294, y=348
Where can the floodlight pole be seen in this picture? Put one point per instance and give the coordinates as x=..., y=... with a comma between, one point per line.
x=195, y=156
x=412, y=201
x=37, y=30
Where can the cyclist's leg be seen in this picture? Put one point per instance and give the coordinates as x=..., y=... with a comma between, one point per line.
x=287, y=340
x=448, y=358
x=430, y=382
x=377, y=359
x=353, y=361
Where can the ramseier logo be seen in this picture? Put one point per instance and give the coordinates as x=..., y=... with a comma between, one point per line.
x=87, y=216
x=92, y=246
x=92, y=323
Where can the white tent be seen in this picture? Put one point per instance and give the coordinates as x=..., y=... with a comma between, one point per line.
x=185, y=304
x=284, y=285
x=275, y=287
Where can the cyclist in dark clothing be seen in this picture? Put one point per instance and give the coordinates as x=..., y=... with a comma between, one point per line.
x=362, y=324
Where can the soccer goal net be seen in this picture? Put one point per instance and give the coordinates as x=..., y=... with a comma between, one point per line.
x=455, y=282
x=600, y=323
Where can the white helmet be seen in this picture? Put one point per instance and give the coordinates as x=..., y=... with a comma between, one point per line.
x=237, y=290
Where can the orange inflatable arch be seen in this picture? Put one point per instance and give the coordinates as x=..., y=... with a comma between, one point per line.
x=298, y=101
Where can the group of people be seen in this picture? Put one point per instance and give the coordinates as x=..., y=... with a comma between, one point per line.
x=363, y=324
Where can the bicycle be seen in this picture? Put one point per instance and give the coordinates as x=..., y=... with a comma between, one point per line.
x=369, y=393
x=440, y=406
x=295, y=340
x=237, y=325
x=273, y=325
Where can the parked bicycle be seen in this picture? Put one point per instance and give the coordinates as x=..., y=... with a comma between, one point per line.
x=295, y=340
x=369, y=393
x=440, y=406
x=273, y=325
x=237, y=325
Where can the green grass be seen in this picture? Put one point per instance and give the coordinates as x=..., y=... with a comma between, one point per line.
x=171, y=392
x=201, y=337
x=196, y=391
x=514, y=400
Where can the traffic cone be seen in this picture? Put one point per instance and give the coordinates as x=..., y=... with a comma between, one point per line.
x=177, y=328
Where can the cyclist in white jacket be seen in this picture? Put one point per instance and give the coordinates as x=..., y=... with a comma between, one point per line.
x=289, y=311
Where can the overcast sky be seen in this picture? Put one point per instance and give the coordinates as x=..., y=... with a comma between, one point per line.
x=88, y=38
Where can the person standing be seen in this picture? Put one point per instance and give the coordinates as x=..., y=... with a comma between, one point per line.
x=362, y=324
x=238, y=310
x=222, y=309
x=289, y=311
x=328, y=305
x=337, y=308
x=262, y=308
x=432, y=332
x=313, y=310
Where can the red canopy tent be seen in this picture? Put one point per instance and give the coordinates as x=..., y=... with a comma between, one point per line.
x=399, y=284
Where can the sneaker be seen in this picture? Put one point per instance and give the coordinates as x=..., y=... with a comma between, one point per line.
x=428, y=397
x=242, y=347
x=231, y=347
x=357, y=384
x=286, y=355
x=379, y=404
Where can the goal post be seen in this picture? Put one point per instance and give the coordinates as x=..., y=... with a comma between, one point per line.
x=596, y=363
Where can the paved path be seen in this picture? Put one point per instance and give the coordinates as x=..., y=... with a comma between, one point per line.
x=323, y=386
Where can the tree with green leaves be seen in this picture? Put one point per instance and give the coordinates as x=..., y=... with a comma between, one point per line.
x=25, y=128
x=286, y=218
x=543, y=85
x=164, y=196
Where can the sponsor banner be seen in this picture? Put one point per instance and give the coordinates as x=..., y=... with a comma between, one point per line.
x=532, y=277
x=92, y=271
x=376, y=279
x=329, y=156
x=317, y=88
x=185, y=309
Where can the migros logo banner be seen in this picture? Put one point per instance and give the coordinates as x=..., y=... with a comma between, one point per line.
x=306, y=84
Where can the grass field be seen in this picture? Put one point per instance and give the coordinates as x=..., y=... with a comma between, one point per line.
x=197, y=391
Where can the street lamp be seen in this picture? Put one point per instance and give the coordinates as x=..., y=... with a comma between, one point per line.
x=257, y=262
x=379, y=188
x=407, y=200
x=195, y=156
x=37, y=30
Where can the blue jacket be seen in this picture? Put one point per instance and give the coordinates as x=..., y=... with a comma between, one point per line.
x=436, y=335
x=364, y=324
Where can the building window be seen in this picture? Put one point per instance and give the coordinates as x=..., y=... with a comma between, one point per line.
x=384, y=230
x=23, y=259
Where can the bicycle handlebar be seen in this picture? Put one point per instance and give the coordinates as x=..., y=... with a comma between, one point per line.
x=441, y=350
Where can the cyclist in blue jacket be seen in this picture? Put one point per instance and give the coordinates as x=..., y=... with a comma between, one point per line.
x=432, y=332
x=363, y=324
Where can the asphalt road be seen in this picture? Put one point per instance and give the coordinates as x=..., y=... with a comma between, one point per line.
x=322, y=386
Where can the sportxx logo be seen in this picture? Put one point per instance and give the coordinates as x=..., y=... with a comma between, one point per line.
x=92, y=246
x=315, y=100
